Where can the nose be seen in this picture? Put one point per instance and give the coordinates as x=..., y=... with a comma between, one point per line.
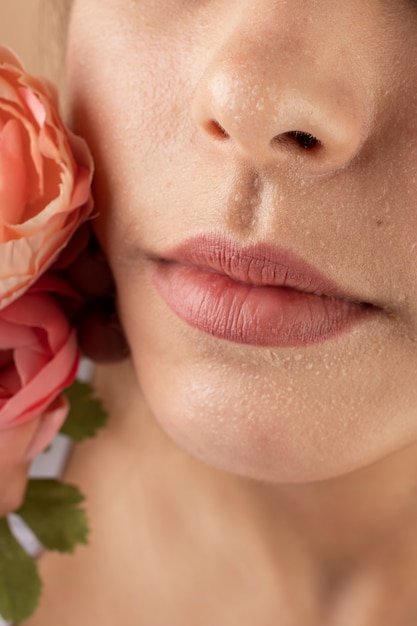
x=272, y=97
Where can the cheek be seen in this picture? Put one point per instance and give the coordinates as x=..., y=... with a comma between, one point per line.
x=279, y=416
x=123, y=89
x=111, y=79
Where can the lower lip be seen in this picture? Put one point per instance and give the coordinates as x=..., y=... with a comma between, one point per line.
x=254, y=315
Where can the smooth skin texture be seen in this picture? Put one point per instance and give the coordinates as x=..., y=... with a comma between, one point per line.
x=240, y=484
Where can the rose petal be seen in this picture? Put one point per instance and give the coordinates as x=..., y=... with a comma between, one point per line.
x=29, y=362
x=14, y=335
x=39, y=393
x=51, y=423
x=13, y=177
x=9, y=383
x=36, y=310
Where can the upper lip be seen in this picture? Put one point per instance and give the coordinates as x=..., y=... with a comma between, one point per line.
x=260, y=264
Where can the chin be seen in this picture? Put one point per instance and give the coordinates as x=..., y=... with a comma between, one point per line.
x=250, y=435
x=258, y=456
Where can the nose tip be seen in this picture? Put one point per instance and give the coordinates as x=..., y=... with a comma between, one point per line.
x=316, y=122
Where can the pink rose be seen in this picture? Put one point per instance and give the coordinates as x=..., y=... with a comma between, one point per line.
x=38, y=354
x=45, y=177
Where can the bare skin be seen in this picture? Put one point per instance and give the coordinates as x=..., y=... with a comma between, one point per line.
x=183, y=543
x=239, y=484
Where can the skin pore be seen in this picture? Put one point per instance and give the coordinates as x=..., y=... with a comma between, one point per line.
x=239, y=484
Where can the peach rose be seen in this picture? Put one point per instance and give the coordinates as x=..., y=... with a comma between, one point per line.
x=38, y=354
x=45, y=177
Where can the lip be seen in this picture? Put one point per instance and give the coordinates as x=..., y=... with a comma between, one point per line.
x=256, y=295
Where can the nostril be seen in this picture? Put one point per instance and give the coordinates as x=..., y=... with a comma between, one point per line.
x=302, y=139
x=216, y=130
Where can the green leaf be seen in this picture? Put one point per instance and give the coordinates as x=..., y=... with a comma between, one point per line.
x=51, y=509
x=20, y=584
x=86, y=414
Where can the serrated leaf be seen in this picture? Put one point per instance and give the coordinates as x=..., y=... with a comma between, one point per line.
x=20, y=584
x=86, y=415
x=51, y=509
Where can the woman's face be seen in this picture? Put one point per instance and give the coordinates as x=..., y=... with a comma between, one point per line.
x=257, y=188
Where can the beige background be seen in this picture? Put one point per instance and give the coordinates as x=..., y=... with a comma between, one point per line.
x=22, y=26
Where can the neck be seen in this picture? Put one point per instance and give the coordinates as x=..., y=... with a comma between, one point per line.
x=345, y=517
x=339, y=528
